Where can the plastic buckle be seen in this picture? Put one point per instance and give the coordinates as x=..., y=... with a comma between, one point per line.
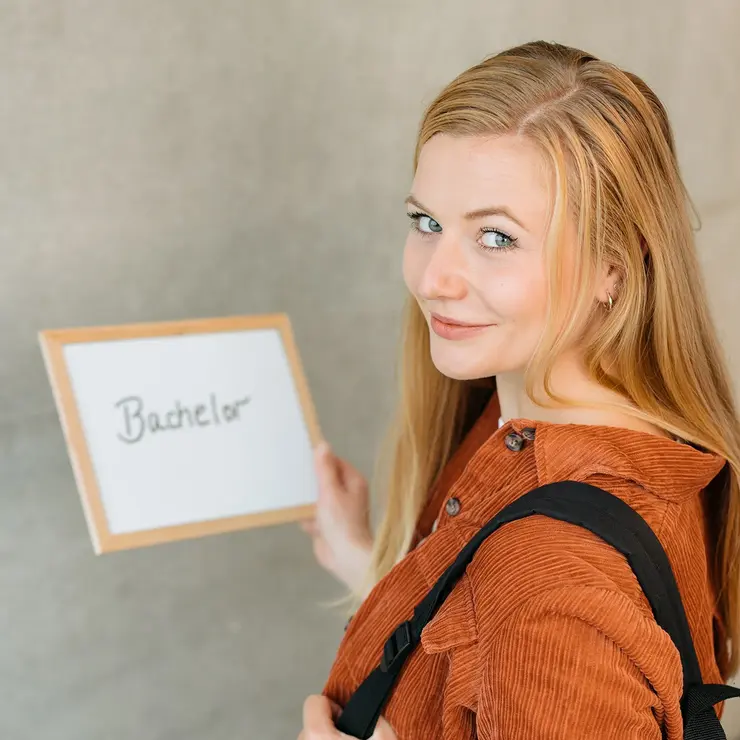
x=397, y=646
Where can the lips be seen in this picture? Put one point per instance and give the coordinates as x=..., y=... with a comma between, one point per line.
x=455, y=322
x=456, y=331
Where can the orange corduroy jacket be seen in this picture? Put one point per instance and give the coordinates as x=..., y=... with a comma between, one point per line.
x=548, y=634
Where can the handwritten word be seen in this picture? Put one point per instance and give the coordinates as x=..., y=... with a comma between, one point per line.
x=137, y=422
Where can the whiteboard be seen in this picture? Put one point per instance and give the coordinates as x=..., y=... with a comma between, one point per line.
x=182, y=429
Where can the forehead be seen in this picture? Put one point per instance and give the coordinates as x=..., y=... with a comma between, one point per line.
x=457, y=174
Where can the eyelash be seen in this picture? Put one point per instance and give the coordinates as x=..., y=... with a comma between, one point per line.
x=415, y=216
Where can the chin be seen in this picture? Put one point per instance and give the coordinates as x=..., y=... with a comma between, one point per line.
x=461, y=367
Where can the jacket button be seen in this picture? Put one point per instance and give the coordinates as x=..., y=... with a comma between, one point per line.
x=452, y=507
x=528, y=433
x=514, y=441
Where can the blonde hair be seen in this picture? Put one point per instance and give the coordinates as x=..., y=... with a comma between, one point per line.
x=607, y=139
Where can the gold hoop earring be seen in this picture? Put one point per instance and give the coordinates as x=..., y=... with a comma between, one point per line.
x=611, y=302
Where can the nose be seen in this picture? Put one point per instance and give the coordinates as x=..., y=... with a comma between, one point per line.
x=444, y=273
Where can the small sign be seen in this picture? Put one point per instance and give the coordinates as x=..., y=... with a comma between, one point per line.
x=185, y=428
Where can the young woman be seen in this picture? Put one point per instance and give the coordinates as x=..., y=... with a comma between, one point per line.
x=557, y=328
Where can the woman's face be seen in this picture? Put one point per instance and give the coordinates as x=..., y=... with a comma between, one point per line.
x=482, y=207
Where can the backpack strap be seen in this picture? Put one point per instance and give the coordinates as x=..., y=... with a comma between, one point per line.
x=619, y=525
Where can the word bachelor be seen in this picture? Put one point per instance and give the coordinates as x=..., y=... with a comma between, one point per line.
x=137, y=422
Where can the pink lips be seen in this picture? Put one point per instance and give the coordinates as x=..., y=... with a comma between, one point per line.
x=450, y=329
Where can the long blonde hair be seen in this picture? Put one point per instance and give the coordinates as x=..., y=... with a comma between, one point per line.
x=608, y=141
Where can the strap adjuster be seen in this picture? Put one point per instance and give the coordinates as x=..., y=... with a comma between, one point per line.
x=397, y=646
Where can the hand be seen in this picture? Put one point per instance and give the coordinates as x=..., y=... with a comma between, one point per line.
x=319, y=715
x=342, y=539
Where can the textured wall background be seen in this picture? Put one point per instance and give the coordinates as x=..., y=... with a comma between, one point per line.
x=175, y=159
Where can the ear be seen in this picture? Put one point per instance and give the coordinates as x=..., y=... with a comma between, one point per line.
x=611, y=278
x=607, y=284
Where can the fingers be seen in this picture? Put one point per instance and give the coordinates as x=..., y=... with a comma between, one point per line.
x=336, y=473
x=352, y=478
x=321, y=549
x=310, y=527
x=319, y=713
x=383, y=731
x=326, y=469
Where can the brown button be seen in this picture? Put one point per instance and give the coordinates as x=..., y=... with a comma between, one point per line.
x=514, y=441
x=452, y=507
x=528, y=433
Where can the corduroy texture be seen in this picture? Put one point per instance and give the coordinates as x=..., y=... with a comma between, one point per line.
x=548, y=634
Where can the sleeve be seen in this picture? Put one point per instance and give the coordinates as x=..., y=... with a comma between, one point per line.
x=554, y=676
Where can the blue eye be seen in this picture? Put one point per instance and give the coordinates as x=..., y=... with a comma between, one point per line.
x=419, y=218
x=501, y=240
x=426, y=226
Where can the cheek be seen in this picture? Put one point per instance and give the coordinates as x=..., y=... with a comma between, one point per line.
x=519, y=299
x=518, y=294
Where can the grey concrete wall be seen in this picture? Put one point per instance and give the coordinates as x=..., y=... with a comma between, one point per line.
x=179, y=158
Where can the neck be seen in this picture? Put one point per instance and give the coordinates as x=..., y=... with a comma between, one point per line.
x=569, y=379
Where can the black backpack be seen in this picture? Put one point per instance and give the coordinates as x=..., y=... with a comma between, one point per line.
x=619, y=525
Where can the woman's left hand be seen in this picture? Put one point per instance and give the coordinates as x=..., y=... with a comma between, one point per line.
x=319, y=715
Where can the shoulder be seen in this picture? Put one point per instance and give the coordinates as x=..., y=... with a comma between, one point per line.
x=540, y=563
x=579, y=662
x=545, y=617
x=534, y=555
x=540, y=560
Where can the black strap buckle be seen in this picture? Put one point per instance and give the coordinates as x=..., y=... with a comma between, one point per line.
x=397, y=646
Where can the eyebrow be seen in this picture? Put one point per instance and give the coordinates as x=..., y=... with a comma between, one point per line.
x=474, y=215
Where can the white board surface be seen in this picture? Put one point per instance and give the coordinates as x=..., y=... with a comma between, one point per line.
x=191, y=427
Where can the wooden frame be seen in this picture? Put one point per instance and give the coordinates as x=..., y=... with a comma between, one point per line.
x=52, y=343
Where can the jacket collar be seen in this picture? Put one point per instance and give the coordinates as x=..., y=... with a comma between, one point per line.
x=670, y=469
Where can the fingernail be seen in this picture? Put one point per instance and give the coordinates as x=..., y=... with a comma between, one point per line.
x=322, y=447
